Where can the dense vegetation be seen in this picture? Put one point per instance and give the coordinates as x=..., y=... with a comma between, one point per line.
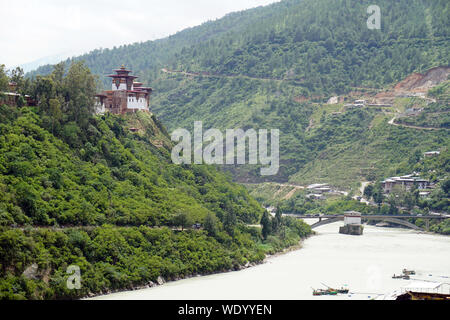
x=269, y=67
x=113, y=258
x=78, y=189
x=274, y=66
x=323, y=44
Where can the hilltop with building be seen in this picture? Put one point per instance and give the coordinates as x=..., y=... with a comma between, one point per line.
x=75, y=181
x=278, y=66
x=126, y=94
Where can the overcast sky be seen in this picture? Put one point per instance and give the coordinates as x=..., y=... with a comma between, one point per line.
x=35, y=29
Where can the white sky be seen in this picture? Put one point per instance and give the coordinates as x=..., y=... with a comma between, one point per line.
x=34, y=29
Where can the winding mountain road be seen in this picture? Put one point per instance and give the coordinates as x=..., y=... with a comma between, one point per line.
x=392, y=122
x=210, y=75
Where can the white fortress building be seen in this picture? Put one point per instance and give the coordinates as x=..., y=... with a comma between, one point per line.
x=126, y=95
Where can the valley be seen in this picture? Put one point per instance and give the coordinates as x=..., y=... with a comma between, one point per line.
x=87, y=176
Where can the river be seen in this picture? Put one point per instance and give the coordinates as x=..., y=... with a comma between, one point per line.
x=363, y=263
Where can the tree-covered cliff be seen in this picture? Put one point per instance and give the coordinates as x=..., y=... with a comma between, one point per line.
x=85, y=190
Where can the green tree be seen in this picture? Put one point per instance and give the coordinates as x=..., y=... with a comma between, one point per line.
x=368, y=191
x=210, y=224
x=277, y=222
x=183, y=220
x=446, y=186
x=58, y=72
x=266, y=225
x=279, y=214
x=44, y=88
x=55, y=111
x=409, y=201
x=18, y=78
x=393, y=204
x=80, y=87
x=230, y=222
x=377, y=195
x=21, y=101
x=4, y=80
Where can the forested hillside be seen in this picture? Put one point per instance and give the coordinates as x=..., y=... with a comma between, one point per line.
x=325, y=45
x=276, y=66
x=85, y=190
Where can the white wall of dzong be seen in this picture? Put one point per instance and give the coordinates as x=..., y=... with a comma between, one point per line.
x=133, y=103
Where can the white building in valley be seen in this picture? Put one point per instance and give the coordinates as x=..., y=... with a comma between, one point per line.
x=352, y=217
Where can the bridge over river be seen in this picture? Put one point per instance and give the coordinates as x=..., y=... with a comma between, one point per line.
x=395, y=219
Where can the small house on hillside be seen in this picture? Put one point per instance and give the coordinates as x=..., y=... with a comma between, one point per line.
x=13, y=98
x=432, y=154
x=360, y=103
x=356, y=104
x=319, y=188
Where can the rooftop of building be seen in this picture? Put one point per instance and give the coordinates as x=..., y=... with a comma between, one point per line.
x=413, y=177
x=352, y=214
x=318, y=185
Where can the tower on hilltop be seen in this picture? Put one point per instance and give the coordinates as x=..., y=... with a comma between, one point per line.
x=125, y=95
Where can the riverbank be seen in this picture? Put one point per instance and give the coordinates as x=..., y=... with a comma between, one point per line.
x=113, y=259
x=365, y=264
x=269, y=258
x=161, y=281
